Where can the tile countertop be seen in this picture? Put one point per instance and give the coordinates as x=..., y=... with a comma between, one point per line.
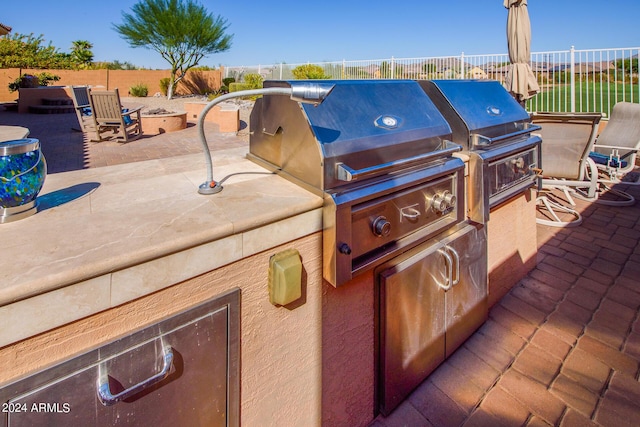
x=97, y=227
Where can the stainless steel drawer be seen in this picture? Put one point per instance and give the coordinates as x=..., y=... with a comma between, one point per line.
x=182, y=371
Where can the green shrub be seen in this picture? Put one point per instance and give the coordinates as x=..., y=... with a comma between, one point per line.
x=309, y=72
x=237, y=87
x=228, y=80
x=254, y=83
x=26, y=80
x=253, y=80
x=140, y=90
x=164, y=85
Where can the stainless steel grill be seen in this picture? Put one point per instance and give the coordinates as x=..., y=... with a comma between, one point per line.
x=496, y=133
x=380, y=154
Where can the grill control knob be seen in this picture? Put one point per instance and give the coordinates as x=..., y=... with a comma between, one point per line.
x=450, y=199
x=343, y=248
x=381, y=226
x=442, y=202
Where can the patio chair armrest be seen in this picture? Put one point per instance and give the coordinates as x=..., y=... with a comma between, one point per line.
x=617, y=147
x=542, y=115
x=132, y=110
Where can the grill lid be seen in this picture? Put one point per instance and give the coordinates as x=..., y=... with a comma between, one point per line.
x=387, y=113
x=361, y=125
x=479, y=111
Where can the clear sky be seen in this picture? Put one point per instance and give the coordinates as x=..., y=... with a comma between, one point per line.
x=267, y=32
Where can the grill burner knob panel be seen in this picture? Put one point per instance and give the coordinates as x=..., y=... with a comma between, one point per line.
x=381, y=226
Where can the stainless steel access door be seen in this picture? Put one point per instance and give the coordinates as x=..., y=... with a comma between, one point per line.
x=431, y=299
x=183, y=371
x=466, y=303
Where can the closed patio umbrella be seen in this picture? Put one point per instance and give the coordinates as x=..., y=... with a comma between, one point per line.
x=520, y=80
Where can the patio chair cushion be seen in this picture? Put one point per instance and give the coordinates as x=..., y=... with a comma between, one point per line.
x=127, y=119
x=603, y=159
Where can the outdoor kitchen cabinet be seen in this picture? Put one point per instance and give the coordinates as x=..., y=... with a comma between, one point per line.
x=182, y=371
x=431, y=300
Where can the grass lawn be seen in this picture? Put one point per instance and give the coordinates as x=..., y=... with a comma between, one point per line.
x=590, y=97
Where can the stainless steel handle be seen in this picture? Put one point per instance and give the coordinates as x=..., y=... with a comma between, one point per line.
x=485, y=140
x=449, y=262
x=104, y=392
x=410, y=212
x=456, y=257
x=346, y=173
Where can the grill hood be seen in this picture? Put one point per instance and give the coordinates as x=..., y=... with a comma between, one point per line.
x=363, y=129
x=481, y=112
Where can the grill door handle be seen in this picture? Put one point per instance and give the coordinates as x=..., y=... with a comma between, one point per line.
x=346, y=173
x=449, y=269
x=456, y=259
x=104, y=391
x=485, y=140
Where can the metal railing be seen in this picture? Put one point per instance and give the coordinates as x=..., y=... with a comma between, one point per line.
x=571, y=80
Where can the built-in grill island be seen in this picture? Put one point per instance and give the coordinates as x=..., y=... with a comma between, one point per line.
x=381, y=156
x=495, y=131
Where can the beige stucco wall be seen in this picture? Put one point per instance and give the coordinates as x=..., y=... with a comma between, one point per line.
x=195, y=81
x=512, y=244
x=281, y=346
x=348, y=353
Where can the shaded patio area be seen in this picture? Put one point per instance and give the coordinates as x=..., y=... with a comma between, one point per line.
x=562, y=348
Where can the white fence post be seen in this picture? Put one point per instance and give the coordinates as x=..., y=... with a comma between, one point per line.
x=393, y=68
x=573, y=79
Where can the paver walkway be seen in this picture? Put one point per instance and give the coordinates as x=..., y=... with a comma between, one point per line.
x=562, y=348
x=66, y=149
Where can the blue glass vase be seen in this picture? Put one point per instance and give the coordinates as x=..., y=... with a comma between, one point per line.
x=22, y=173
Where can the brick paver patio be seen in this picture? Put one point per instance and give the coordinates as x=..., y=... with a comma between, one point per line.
x=562, y=348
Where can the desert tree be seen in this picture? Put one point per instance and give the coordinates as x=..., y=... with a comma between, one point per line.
x=81, y=53
x=29, y=51
x=183, y=32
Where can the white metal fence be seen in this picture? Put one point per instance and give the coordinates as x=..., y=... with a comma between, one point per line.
x=570, y=80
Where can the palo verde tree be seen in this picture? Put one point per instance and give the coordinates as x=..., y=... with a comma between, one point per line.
x=181, y=31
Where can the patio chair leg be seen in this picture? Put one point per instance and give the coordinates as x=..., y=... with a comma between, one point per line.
x=589, y=192
x=551, y=208
x=621, y=198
